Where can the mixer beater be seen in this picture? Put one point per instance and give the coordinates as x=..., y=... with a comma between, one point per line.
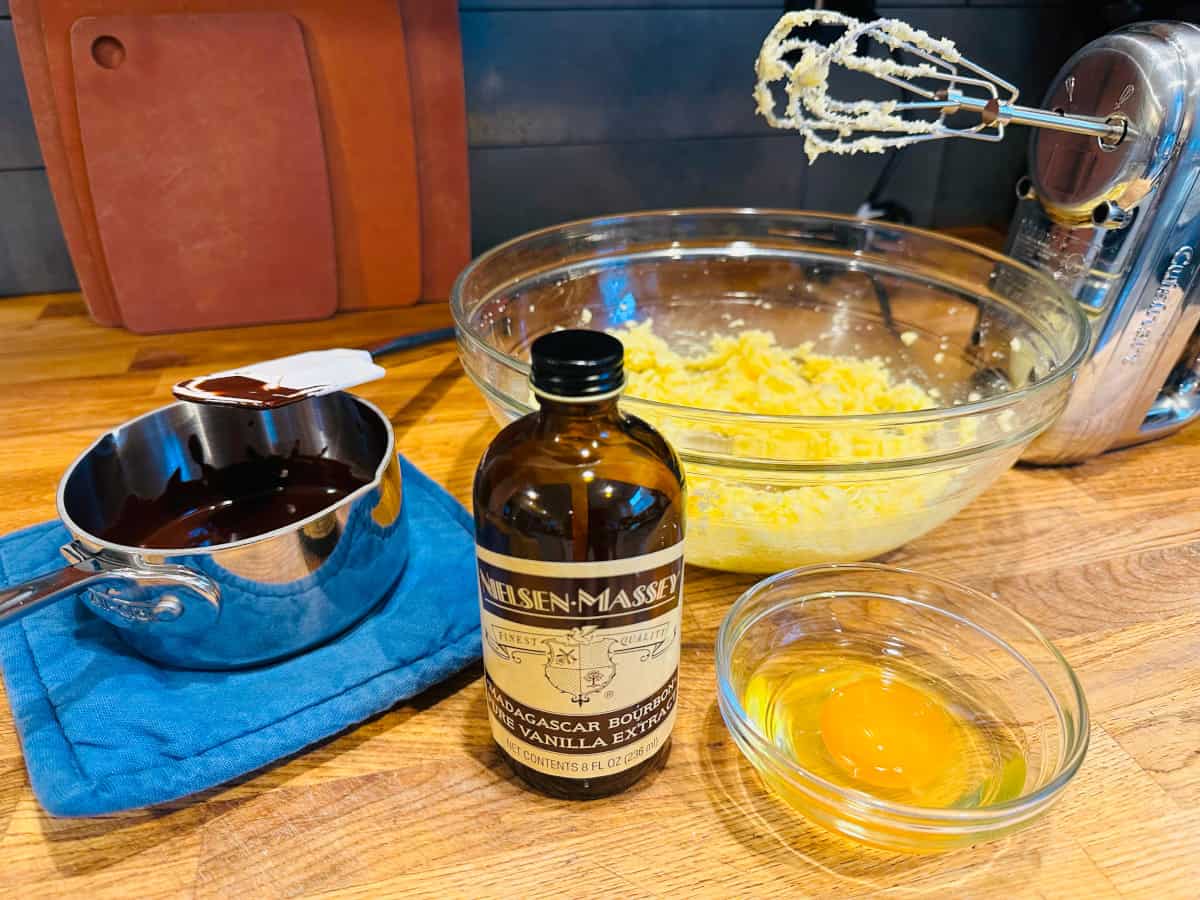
x=943, y=80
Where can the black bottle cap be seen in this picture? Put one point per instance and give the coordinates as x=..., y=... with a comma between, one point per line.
x=577, y=363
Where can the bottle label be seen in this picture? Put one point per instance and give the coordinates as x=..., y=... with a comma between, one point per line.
x=581, y=660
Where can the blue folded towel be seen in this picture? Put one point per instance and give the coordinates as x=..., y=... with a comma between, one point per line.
x=105, y=730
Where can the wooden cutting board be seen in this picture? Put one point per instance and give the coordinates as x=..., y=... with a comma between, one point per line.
x=207, y=171
x=440, y=121
x=400, y=221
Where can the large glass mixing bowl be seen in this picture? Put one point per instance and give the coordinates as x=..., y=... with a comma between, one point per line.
x=994, y=341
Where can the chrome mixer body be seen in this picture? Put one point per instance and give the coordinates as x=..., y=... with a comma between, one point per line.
x=1118, y=226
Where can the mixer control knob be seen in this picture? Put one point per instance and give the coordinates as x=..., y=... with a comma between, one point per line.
x=1024, y=188
x=1109, y=215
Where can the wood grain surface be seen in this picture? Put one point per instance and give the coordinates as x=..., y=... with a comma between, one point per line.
x=1105, y=557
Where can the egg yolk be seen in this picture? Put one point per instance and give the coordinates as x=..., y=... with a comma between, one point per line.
x=888, y=734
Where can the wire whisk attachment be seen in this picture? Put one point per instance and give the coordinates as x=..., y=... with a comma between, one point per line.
x=931, y=69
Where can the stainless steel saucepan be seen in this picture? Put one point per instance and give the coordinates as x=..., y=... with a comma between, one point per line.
x=249, y=601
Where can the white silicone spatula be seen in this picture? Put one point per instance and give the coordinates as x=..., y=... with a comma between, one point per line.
x=290, y=379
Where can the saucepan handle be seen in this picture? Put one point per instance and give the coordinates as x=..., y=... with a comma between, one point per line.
x=22, y=599
x=126, y=594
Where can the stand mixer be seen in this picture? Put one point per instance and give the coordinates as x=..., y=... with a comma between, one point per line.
x=1119, y=227
x=1110, y=211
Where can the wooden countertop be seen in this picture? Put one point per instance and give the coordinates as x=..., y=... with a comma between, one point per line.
x=1104, y=557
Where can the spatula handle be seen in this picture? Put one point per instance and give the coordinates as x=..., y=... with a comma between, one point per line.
x=409, y=341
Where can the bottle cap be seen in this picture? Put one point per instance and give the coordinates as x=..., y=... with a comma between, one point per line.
x=577, y=363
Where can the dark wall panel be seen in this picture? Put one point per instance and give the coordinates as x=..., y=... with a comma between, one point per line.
x=18, y=141
x=33, y=257
x=596, y=75
x=493, y=5
x=520, y=188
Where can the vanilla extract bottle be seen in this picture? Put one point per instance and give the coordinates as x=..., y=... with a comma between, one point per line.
x=579, y=526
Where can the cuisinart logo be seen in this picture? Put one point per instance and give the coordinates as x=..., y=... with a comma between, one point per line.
x=1170, y=282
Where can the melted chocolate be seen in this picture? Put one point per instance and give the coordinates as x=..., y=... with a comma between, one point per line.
x=238, y=390
x=233, y=503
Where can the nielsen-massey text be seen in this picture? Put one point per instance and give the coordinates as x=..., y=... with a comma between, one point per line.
x=580, y=602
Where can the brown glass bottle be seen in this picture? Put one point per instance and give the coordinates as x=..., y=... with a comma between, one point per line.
x=579, y=521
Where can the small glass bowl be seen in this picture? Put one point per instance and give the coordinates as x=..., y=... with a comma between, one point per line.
x=984, y=647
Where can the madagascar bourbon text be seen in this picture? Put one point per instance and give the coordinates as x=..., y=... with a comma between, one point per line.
x=581, y=659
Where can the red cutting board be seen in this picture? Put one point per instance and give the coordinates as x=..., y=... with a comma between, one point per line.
x=440, y=123
x=205, y=162
x=389, y=85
